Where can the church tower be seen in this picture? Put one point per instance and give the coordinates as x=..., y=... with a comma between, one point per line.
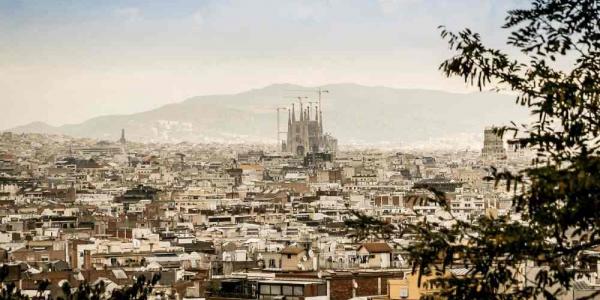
x=305, y=134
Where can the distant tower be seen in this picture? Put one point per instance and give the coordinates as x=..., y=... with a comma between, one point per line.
x=493, y=146
x=122, y=139
x=123, y=142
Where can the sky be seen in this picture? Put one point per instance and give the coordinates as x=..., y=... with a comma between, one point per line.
x=65, y=61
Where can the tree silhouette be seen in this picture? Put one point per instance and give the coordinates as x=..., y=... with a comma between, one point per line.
x=139, y=290
x=66, y=290
x=42, y=286
x=558, y=195
x=8, y=290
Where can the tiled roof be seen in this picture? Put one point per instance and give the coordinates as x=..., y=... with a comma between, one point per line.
x=377, y=247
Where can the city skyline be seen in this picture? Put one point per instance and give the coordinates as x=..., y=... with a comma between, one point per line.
x=299, y=150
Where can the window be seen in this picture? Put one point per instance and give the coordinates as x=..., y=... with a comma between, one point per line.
x=298, y=291
x=322, y=290
x=265, y=289
x=288, y=290
x=270, y=289
x=275, y=290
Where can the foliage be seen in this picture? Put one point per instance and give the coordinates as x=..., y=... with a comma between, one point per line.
x=8, y=291
x=559, y=194
x=139, y=290
x=213, y=287
x=360, y=227
x=556, y=76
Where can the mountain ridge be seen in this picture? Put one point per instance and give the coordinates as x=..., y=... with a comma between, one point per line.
x=354, y=113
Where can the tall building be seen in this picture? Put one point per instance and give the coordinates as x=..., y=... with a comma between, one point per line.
x=123, y=142
x=493, y=146
x=305, y=133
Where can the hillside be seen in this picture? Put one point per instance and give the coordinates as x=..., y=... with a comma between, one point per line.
x=353, y=113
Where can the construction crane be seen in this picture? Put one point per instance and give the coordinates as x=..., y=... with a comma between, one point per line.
x=319, y=92
x=299, y=98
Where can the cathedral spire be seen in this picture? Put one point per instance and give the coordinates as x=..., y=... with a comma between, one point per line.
x=293, y=113
x=321, y=120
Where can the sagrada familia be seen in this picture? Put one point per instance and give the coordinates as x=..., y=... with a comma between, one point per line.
x=305, y=134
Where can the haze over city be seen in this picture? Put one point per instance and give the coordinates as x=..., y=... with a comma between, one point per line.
x=65, y=62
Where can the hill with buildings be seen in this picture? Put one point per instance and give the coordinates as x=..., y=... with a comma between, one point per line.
x=353, y=113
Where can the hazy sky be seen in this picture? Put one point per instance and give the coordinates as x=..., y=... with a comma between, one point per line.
x=66, y=61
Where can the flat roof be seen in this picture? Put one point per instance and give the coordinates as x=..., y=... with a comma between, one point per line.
x=291, y=281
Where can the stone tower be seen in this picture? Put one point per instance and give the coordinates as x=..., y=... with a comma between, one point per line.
x=493, y=146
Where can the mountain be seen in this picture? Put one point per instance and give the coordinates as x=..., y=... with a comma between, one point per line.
x=353, y=113
x=36, y=127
